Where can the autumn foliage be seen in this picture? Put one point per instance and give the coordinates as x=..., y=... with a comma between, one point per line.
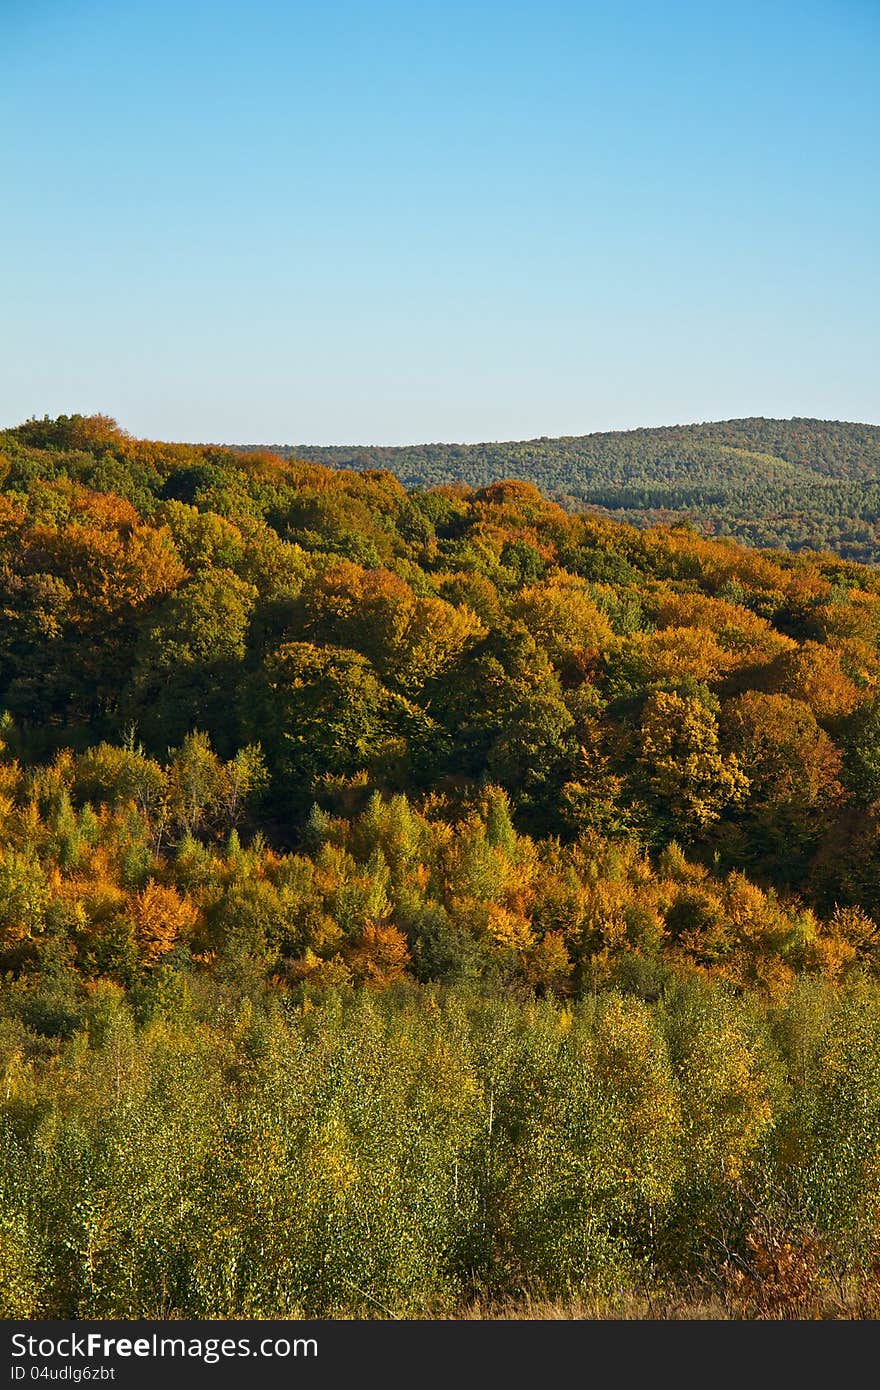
x=297, y=764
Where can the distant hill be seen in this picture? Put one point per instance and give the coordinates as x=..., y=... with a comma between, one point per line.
x=781, y=483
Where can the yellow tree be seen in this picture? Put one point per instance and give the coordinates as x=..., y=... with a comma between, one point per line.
x=682, y=762
x=162, y=917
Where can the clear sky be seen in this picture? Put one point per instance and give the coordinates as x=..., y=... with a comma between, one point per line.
x=404, y=220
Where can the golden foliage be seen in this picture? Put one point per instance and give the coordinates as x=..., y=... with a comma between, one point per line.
x=379, y=957
x=162, y=918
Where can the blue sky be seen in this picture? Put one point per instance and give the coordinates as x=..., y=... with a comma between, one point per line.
x=399, y=222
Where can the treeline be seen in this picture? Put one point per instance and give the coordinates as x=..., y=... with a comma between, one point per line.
x=791, y=484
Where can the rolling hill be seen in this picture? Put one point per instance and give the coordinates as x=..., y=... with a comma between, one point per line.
x=781, y=483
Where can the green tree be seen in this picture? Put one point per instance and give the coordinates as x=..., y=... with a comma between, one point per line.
x=190, y=660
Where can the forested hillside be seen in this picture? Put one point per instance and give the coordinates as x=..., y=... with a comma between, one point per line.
x=410, y=897
x=789, y=483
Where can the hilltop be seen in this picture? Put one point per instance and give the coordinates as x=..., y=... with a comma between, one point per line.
x=792, y=484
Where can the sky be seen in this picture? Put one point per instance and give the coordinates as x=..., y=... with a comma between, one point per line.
x=343, y=222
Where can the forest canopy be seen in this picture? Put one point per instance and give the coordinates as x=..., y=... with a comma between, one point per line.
x=562, y=833
x=263, y=709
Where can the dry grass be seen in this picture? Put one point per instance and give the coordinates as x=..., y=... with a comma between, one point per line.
x=750, y=1298
x=626, y=1307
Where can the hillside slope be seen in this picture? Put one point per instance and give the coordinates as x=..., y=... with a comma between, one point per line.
x=782, y=483
x=436, y=894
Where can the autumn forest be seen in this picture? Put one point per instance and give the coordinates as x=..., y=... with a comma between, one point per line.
x=424, y=899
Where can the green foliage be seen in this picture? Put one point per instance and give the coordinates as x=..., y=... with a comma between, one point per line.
x=861, y=756
x=395, y=1155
